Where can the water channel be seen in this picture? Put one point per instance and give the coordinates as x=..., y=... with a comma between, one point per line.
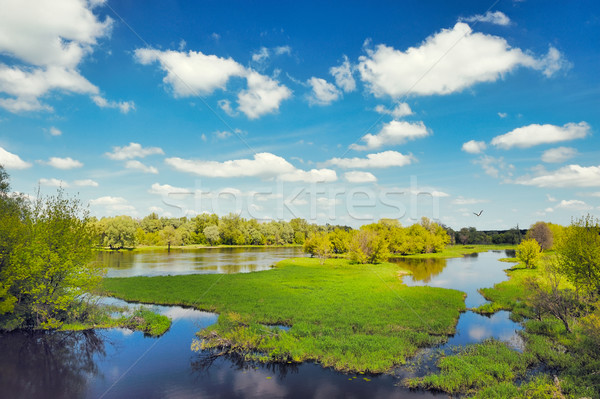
x=119, y=363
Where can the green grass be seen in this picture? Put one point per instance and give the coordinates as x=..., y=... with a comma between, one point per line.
x=350, y=317
x=458, y=251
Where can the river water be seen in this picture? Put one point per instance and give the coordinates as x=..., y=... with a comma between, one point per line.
x=118, y=363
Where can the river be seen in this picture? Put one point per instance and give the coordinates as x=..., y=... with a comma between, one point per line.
x=118, y=363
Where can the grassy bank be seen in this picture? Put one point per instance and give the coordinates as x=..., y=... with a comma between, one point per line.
x=141, y=319
x=350, y=317
x=567, y=364
x=192, y=247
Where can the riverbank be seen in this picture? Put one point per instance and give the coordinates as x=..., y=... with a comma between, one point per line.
x=341, y=315
x=191, y=247
x=458, y=251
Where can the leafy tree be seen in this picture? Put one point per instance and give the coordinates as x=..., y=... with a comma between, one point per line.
x=542, y=234
x=367, y=246
x=117, y=232
x=212, y=234
x=170, y=236
x=49, y=269
x=579, y=254
x=528, y=252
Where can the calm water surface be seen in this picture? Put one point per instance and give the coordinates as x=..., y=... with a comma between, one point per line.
x=118, y=363
x=194, y=261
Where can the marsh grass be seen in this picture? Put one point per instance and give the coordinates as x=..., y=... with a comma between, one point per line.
x=346, y=316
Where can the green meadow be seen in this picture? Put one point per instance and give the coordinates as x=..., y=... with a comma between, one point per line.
x=347, y=316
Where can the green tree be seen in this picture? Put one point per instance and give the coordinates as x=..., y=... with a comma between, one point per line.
x=170, y=236
x=212, y=234
x=578, y=254
x=117, y=232
x=368, y=246
x=49, y=270
x=318, y=245
x=528, y=252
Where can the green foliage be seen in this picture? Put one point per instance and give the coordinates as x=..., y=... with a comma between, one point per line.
x=578, y=254
x=367, y=246
x=212, y=234
x=46, y=270
x=117, y=232
x=528, y=252
x=147, y=321
x=340, y=314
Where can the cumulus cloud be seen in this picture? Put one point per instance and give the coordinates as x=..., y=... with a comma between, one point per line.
x=400, y=110
x=323, y=92
x=113, y=204
x=133, y=150
x=467, y=201
x=567, y=176
x=261, y=55
x=123, y=106
x=137, y=165
x=167, y=189
x=474, y=147
x=64, y=163
x=263, y=165
x=558, y=155
x=430, y=69
x=392, y=133
x=263, y=95
x=493, y=166
x=53, y=182
x=85, y=183
x=12, y=161
x=359, y=177
x=343, y=76
x=196, y=74
x=534, y=134
x=384, y=159
x=54, y=131
x=573, y=205
x=493, y=17
x=192, y=73
x=225, y=105
x=49, y=47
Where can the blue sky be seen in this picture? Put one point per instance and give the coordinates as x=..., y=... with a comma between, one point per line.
x=339, y=113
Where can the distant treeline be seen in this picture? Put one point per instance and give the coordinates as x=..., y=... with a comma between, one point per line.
x=470, y=235
x=206, y=229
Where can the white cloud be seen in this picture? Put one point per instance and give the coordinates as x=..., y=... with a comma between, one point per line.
x=323, y=92
x=468, y=201
x=166, y=189
x=113, y=204
x=123, y=106
x=49, y=46
x=53, y=182
x=343, y=76
x=574, y=205
x=263, y=95
x=493, y=166
x=558, y=155
x=192, y=73
x=534, y=134
x=495, y=17
x=261, y=55
x=567, y=176
x=54, y=131
x=474, y=147
x=12, y=161
x=133, y=150
x=196, y=74
x=85, y=183
x=392, y=133
x=280, y=50
x=551, y=198
x=447, y=62
x=264, y=165
x=502, y=115
x=64, y=163
x=359, y=177
x=222, y=134
x=384, y=159
x=225, y=105
x=137, y=165
x=401, y=109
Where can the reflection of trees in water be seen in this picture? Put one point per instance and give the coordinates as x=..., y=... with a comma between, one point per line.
x=45, y=364
x=422, y=269
x=208, y=358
